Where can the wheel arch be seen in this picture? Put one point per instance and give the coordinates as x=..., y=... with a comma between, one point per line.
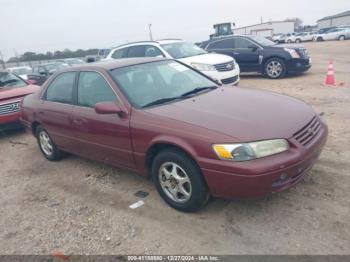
x=34, y=126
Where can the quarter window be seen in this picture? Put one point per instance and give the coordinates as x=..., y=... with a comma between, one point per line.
x=121, y=53
x=93, y=89
x=61, y=88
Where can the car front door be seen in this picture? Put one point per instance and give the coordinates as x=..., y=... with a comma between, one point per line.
x=104, y=137
x=247, y=54
x=55, y=110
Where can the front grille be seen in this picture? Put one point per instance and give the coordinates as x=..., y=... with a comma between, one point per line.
x=305, y=135
x=230, y=80
x=9, y=108
x=225, y=66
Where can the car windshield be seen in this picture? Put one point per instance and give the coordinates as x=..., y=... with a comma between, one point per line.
x=21, y=71
x=183, y=49
x=9, y=80
x=56, y=66
x=159, y=82
x=262, y=40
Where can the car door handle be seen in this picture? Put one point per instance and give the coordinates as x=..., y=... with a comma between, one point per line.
x=78, y=121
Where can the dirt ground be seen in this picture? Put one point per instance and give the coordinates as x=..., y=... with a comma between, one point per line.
x=82, y=207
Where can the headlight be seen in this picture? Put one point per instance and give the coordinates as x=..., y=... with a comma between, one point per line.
x=252, y=150
x=203, y=67
x=293, y=53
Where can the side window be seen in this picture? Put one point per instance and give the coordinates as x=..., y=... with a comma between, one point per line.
x=121, y=53
x=93, y=89
x=41, y=70
x=61, y=88
x=136, y=51
x=221, y=44
x=242, y=43
x=152, y=51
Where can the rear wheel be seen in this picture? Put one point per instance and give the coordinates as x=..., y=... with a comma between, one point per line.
x=297, y=41
x=275, y=68
x=179, y=181
x=341, y=38
x=289, y=41
x=46, y=145
x=319, y=39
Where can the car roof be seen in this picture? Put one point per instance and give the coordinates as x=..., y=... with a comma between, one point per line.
x=149, y=42
x=118, y=63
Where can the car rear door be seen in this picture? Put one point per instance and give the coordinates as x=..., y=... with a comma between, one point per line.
x=102, y=137
x=55, y=110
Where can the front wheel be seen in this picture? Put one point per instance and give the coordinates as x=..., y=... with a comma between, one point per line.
x=179, y=181
x=297, y=41
x=319, y=39
x=46, y=145
x=275, y=68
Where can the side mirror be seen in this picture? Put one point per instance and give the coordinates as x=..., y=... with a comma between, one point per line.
x=253, y=47
x=32, y=81
x=108, y=108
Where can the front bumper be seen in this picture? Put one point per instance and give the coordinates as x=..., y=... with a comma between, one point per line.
x=298, y=65
x=262, y=176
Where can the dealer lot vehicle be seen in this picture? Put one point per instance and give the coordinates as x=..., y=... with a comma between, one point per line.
x=258, y=54
x=42, y=72
x=279, y=38
x=338, y=33
x=71, y=61
x=300, y=37
x=221, y=68
x=21, y=71
x=12, y=90
x=160, y=117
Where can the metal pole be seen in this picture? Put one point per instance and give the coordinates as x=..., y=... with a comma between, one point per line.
x=150, y=32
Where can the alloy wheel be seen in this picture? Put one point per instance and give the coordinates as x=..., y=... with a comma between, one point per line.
x=45, y=143
x=175, y=182
x=274, y=69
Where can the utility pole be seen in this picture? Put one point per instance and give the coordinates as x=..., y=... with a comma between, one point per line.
x=150, y=32
x=2, y=60
x=16, y=55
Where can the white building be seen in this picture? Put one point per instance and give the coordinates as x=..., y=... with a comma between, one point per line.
x=342, y=19
x=267, y=29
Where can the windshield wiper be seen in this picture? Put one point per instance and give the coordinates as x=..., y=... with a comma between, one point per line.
x=197, y=90
x=160, y=101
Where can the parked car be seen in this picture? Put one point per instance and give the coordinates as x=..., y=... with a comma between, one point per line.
x=42, y=72
x=12, y=90
x=221, y=68
x=161, y=118
x=279, y=38
x=257, y=54
x=300, y=37
x=71, y=61
x=338, y=33
x=21, y=71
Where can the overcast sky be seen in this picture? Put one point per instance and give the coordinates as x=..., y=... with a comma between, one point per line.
x=49, y=25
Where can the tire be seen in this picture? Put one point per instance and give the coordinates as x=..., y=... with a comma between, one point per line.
x=46, y=145
x=297, y=41
x=341, y=38
x=275, y=68
x=289, y=41
x=173, y=172
x=319, y=39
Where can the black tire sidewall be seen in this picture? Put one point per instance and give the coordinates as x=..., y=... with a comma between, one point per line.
x=199, y=195
x=284, y=71
x=56, y=153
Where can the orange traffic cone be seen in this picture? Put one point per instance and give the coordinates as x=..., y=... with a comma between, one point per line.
x=330, y=80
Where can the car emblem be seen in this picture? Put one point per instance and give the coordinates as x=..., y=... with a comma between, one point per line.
x=310, y=131
x=15, y=106
x=229, y=66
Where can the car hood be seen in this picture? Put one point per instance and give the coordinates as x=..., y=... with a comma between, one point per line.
x=244, y=115
x=16, y=92
x=211, y=59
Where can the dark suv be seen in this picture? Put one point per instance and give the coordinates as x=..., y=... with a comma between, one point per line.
x=258, y=54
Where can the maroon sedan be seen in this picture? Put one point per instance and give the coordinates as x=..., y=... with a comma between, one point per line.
x=164, y=119
x=12, y=90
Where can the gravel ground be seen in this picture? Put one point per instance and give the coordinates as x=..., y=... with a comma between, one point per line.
x=82, y=207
